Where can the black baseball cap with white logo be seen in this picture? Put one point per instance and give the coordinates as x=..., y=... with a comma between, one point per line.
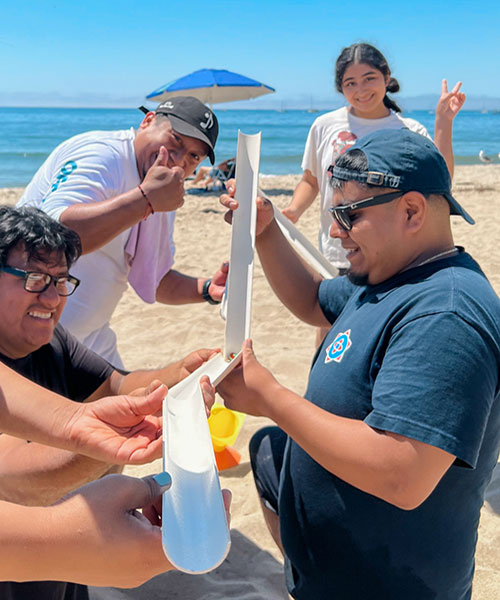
x=191, y=117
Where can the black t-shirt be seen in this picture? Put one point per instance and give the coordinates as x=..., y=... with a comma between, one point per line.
x=64, y=366
x=67, y=367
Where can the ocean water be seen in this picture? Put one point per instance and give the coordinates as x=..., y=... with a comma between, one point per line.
x=27, y=135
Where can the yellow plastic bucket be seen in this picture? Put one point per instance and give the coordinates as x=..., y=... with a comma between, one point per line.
x=224, y=425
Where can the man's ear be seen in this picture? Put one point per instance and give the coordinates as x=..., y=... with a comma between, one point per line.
x=148, y=119
x=415, y=207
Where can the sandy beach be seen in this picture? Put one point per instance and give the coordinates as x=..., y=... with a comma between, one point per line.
x=150, y=336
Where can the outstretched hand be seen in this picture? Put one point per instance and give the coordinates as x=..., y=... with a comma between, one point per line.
x=265, y=210
x=450, y=103
x=192, y=361
x=164, y=185
x=120, y=429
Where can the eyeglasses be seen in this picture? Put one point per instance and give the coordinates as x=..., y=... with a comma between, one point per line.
x=36, y=282
x=342, y=213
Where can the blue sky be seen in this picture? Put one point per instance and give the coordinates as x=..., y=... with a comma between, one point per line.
x=112, y=53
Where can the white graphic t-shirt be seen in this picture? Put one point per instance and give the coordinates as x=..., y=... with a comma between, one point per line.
x=332, y=134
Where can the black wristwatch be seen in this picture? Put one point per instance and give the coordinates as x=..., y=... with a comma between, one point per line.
x=206, y=295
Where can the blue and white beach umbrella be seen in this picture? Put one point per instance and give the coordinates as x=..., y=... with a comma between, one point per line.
x=212, y=86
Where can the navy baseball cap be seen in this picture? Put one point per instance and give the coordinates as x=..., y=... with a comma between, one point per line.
x=191, y=117
x=401, y=159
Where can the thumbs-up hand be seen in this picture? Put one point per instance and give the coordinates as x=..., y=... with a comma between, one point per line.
x=164, y=185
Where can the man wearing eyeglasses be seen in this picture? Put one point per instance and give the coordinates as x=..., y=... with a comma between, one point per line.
x=119, y=190
x=373, y=483
x=36, y=259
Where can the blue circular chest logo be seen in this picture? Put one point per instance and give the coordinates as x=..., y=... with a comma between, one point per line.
x=338, y=347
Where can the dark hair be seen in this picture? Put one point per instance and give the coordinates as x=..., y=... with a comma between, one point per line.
x=364, y=53
x=353, y=160
x=38, y=233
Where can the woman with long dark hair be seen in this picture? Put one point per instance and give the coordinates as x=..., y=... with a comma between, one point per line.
x=363, y=76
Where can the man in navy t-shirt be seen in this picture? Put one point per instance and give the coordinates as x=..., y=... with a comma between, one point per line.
x=373, y=483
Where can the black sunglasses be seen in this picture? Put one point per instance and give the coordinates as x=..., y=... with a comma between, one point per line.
x=342, y=213
x=36, y=282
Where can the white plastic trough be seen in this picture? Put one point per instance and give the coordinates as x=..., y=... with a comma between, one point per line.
x=195, y=534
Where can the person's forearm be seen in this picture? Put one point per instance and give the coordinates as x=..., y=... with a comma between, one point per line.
x=34, y=474
x=292, y=279
x=443, y=133
x=85, y=544
x=100, y=222
x=304, y=196
x=115, y=430
x=20, y=414
x=178, y=288
x=346, y=447
x=93, y=537
x=25, y=543
x=169, y=375
x=379, y=463
x=35, y=544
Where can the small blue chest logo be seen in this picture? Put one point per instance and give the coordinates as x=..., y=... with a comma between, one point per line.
x=338, y=347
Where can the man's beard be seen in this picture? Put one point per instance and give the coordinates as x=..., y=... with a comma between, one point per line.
x=357, y=279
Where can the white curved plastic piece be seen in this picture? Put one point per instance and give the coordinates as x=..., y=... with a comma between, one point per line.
x=195, y=534
x=302, y=245
x=239, y=282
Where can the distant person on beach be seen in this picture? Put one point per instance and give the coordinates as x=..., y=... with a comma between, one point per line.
x=118, y=190
x=373, y=483
x=363, y=76
x=36, y=258
x=207, y=176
